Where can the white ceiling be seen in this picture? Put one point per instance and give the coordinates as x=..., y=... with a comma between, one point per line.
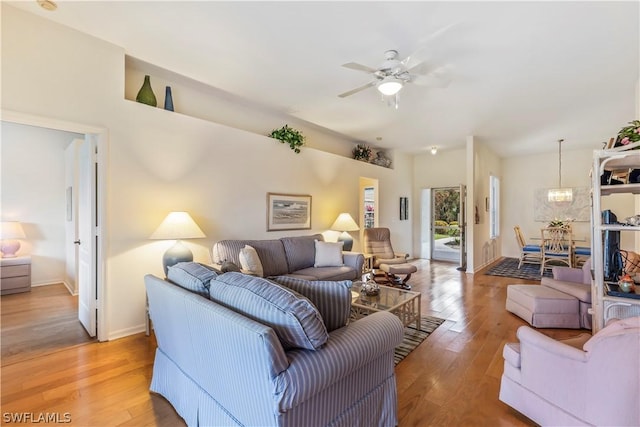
x=524, y=73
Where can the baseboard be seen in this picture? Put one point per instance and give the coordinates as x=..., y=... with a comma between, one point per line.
x=126, y=332
x=487, y=264
x=56, y=282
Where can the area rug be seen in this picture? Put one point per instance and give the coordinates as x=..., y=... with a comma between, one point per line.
x=508, y=267
x=413, y=337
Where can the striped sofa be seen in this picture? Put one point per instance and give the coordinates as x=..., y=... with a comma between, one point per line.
x=292, y=256
x=218, y=366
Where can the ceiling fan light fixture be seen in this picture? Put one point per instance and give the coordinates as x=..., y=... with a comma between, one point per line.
x=390, y=86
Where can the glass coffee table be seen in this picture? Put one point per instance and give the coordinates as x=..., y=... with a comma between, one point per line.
x=404, y=304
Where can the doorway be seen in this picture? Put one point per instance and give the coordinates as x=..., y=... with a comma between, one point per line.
x=443, y=224
x=90, y=297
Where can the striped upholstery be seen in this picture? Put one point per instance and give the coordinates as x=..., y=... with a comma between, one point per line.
x=293, y=317
x=270, y=252
x=192, y=276
x=332, y=299
x=217, y=367
x=300, y=251
x=289, y=256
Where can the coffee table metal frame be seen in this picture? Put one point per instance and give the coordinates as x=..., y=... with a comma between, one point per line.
x=404, y=304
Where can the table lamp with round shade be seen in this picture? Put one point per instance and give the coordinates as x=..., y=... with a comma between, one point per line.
x=345, y=223
x=177, y=226
x=10, y=231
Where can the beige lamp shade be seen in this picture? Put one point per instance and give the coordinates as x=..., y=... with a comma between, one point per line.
x=345, y=222
x=176, y=226
x=9, y=232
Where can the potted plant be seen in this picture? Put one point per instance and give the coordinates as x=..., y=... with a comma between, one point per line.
x=362, y=152
x=290, y=136
x=629, y=134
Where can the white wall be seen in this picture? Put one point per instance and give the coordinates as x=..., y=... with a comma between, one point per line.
x=160, y=161
x=445, y=169
x=484, y=250
x=33, y=192
x=522, y=175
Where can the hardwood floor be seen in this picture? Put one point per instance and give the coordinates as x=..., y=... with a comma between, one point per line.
x=451, y=379
x=39, y=322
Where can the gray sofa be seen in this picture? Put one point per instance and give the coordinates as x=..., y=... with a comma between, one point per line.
x=290, y=256
x=218, y=366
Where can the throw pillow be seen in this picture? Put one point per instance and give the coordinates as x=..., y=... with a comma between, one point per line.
x=192, y=276
x=294, y=319
x=249, y=260
x=328, y=254
x=332, y=299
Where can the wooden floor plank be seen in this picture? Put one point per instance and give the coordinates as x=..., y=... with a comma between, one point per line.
x=452, y=378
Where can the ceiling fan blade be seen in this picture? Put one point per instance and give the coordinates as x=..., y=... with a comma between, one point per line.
x=420, y=54
x=440, y=77
x=421, y=68
x=358, y=89
x=359, y=67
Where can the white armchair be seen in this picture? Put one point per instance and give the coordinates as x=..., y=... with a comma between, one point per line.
x=581, y=381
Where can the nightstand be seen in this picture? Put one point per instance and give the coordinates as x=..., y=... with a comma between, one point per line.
x=15, y=275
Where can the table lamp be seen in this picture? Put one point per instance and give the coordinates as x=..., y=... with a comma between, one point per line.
x=9, y=232
x=345, y=223
x=177, y=226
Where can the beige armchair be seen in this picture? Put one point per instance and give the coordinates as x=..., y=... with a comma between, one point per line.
x=387, y=264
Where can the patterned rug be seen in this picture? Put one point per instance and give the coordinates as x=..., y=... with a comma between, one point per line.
x=413, y=337
x=508, y=267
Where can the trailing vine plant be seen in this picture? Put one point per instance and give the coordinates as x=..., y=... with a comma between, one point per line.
x=288, y=135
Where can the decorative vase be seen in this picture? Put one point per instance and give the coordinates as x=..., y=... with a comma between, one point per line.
x=168, y=99
x=145, y=94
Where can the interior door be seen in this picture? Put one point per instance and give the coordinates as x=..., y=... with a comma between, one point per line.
x=87, y=235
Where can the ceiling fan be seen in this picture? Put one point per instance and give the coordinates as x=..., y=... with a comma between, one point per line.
x=391, y=76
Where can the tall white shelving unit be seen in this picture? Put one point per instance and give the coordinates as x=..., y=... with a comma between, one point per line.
x=604, y=306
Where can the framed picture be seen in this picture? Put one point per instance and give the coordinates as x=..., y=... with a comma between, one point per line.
x=404, y=208
x=288, y=212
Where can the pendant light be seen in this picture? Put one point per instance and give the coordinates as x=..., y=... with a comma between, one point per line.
x=560, y=195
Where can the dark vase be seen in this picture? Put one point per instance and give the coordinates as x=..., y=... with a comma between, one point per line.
x=146, y=95
x=168, y=99
x=634, y=176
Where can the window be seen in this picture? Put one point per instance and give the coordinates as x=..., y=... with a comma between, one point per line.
x=494, y=206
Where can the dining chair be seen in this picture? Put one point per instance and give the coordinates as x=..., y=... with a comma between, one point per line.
x=530, y=254
x=557, y=247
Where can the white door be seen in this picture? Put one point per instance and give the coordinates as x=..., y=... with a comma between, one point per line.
x=87, y=235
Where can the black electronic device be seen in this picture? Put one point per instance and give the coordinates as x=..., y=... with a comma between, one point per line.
x=613, y=264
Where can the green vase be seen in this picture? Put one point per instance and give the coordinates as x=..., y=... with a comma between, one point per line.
x=145, y=94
